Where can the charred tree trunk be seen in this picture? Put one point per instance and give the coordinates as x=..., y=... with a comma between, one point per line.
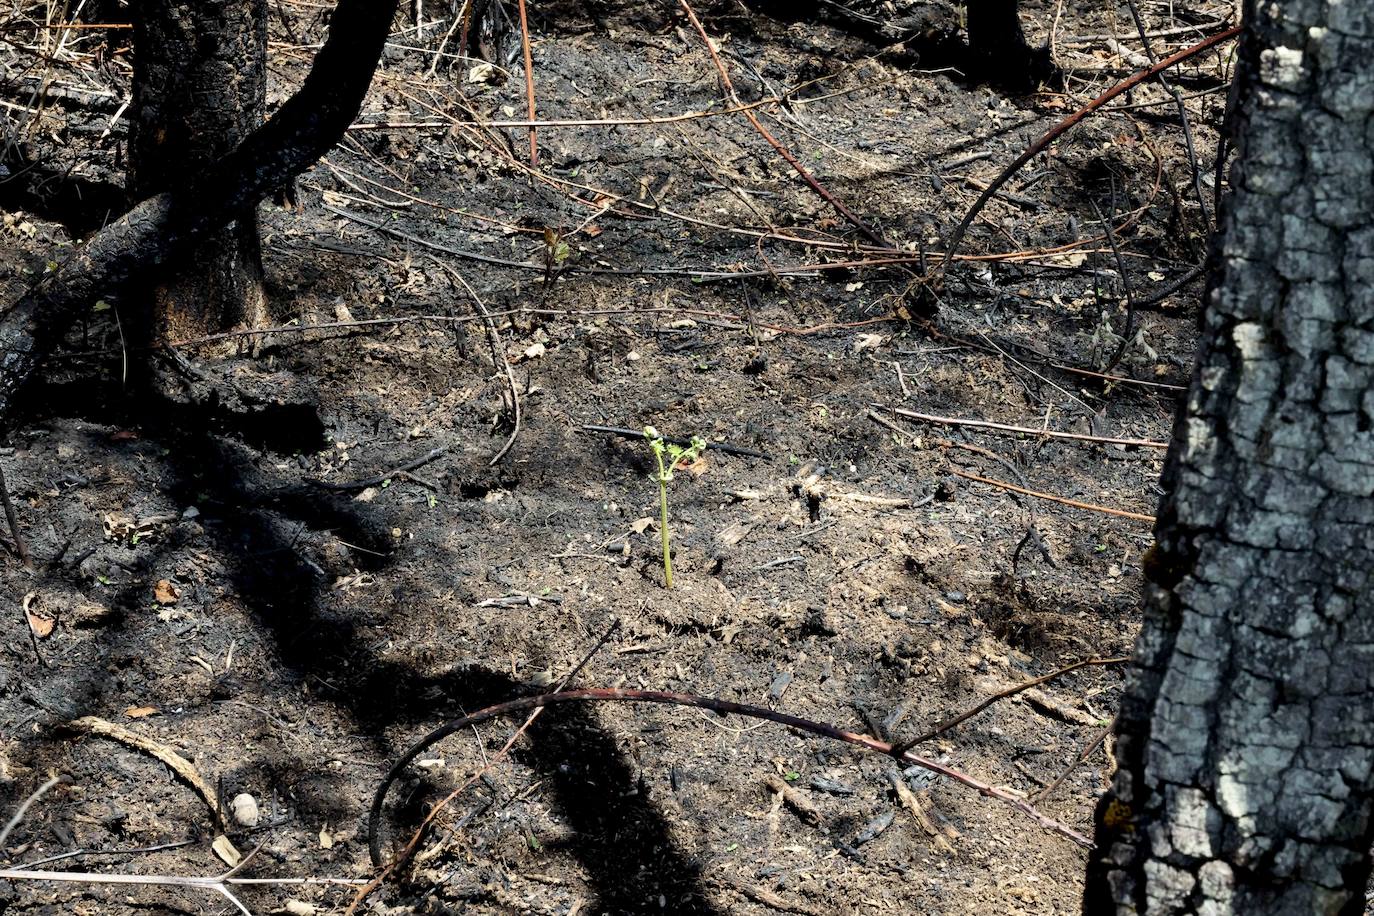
x=1246, y=737
x=175, y=222
x=199, y=88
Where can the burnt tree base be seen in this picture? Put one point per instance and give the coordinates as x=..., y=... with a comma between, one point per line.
x=173, y=223
x=995, y=50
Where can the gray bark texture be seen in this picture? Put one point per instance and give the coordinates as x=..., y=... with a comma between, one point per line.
x=1246, y=737
x=173, y=223
x=199, y=88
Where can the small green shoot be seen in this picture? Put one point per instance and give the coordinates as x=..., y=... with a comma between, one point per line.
x=675, y=455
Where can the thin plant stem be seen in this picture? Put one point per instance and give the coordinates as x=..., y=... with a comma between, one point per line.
x=663, y=526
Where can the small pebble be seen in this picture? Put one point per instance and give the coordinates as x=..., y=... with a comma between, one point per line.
x=245, y=810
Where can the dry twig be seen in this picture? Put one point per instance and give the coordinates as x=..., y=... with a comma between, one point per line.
x=374, y=840
x=1091, y=507
x=1021, y=430
x=93, y=725
x=870, y=233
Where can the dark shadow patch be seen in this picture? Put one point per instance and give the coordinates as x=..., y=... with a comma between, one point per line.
x=624, y=845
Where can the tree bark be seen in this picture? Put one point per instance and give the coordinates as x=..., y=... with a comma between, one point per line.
x=175, y=221
x=1246, y=736
x=199, y=88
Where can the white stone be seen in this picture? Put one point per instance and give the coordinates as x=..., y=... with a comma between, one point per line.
x=244, y=807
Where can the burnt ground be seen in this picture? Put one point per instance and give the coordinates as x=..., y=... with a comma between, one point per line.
x=291, y=640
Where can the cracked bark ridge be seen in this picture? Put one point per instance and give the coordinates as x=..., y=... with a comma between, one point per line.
x=1246, y=738
x=199, y=89
x=165, y=226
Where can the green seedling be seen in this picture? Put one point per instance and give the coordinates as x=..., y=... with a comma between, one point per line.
x=674, y=455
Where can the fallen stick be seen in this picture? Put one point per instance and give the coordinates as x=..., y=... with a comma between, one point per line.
x=94, y=725
x=500, y=755
x=218, y=883
x=870, y=233
x=795, y=800
x=1091, y=507
x=1023, y=430
x=913, y=804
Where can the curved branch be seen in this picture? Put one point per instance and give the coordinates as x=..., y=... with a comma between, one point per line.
x=1057, y=130
x=626, y=695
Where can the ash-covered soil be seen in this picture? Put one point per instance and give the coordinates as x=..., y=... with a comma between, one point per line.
x=214, y=580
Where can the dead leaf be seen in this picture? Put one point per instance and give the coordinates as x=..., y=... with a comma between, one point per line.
x=534, y=351
x=696, y=468
x=226, y=851
x=641, y=525
x=41, y=624
x=141, y=712
x=869, y=342
x=165, y=592
x=326, y=838
x=1068, y=259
